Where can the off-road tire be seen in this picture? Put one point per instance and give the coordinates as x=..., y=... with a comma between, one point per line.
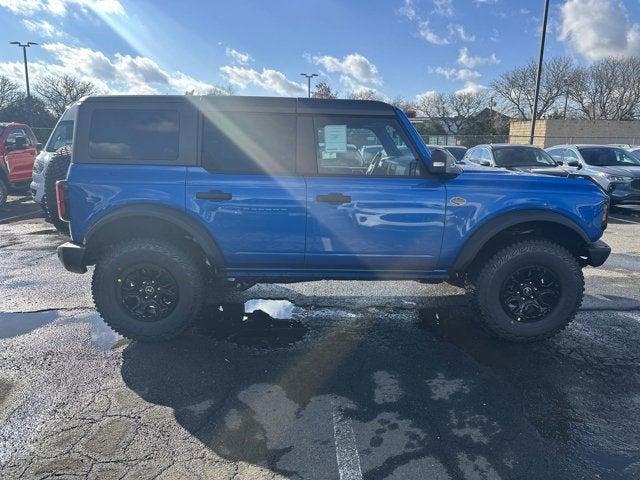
x=185, y=269
x=4, y=192
x=56, y=169
x=484, y=285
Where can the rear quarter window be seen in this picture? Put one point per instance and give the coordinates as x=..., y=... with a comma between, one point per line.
x=140, y=134
x=243, y=142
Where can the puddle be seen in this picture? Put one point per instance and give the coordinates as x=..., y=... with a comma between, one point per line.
x=102, y=336
x=255, y=323
x=16, y=324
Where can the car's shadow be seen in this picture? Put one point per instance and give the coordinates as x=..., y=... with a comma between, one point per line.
x=423, y=391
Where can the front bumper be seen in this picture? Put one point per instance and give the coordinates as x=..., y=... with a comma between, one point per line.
x=597, y=253
x=624, y=193
x=71, y=255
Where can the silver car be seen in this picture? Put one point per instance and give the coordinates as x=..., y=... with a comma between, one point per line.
x=615, y=168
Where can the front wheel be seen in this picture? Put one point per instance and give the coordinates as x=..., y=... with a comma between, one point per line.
x=528, y=291
x=147, y=289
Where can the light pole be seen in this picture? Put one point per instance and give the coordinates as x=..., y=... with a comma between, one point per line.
x=566, y=97
x=309, y=76
x=24, y=47
x=534, y=114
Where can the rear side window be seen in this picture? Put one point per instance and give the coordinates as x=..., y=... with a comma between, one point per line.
x=61, y=136
x=263, y=143
x=140, y=134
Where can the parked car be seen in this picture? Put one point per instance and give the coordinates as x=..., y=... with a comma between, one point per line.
x=174, y=199
x=61, y=136
x=616, y=169
x=519, y=158
x=18, y=150
x=457, y=151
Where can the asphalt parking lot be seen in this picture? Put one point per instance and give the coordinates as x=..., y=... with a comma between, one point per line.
x=320, y=380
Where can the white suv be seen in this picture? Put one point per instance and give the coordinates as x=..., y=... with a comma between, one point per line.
x=61, y=136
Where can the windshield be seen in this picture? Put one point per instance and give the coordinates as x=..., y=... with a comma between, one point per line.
x=457, y=152
x=61, y=136
x=608, y=157
x=522, y=157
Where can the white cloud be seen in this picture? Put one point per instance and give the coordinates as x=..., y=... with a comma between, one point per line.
x=240, y=57
x=464, y=74
x=457, y=30
x=116, y=74
x=470, y=61
x=59, y=7
x=408, y=9
x=270, y=80
x=42, y=28
x=598, y=28
x=471, y=87
x=431, y=36
x=354, y=65
x=443, y=7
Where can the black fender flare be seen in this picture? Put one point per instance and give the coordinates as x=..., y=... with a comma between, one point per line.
x=489, y=229
x=180, y=219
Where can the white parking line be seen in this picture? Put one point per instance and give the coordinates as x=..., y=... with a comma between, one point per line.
x=624, y=220
x=346, y=449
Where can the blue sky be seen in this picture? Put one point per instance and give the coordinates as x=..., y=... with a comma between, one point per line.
x=397, y=47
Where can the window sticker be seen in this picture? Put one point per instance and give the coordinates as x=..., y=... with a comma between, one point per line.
x=335, y=138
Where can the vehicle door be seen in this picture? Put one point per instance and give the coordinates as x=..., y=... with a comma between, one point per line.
x=383, y=215
x=246, y=190
x=20, y=152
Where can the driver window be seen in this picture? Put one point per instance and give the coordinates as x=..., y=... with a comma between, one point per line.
x=359, y=146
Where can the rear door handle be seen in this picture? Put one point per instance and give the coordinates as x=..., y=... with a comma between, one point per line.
x=333, y=198
x=215, y=195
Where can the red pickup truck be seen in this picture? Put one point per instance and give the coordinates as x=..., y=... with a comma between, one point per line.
x=18, y=150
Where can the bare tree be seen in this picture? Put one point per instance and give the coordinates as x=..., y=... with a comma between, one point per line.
x=222, y=90
x=9, y=92
x=607, y=89
x=364, y=94
x=58, y=92
x=453, y=111
x=408, y=107
x=324, y=90
x=516, y=88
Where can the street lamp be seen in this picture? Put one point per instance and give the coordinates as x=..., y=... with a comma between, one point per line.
x=309, y=76
x=566, y=97
x=24, y=47
x=539, y=72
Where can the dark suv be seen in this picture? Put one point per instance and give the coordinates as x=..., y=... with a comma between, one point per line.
x=176, y=200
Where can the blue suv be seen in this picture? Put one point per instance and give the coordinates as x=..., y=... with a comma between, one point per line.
x=176, y=200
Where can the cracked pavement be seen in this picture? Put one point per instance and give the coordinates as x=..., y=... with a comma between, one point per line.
x=319, y=380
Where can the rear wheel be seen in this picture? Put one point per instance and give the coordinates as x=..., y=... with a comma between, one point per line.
x=528, y=291
x=4, y=192
x=148, y=289
x=56, y=169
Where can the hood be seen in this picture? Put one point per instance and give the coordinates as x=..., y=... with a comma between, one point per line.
x=617, y=170
x=555, y=171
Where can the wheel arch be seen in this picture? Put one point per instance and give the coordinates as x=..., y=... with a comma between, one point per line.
x=150, y=220
x=533, y=223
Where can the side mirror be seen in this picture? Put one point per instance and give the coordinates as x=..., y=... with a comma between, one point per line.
x=573, y=163
x=485, y=163
x=443, y=164
x=559, y=162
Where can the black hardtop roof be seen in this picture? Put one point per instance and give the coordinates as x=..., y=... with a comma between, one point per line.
x=259, y=104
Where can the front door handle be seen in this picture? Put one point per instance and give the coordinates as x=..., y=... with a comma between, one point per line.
x=215, y=195
x=333, y=198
